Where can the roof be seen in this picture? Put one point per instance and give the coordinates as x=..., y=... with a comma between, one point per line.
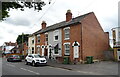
x=62, y=24
x=10, y=44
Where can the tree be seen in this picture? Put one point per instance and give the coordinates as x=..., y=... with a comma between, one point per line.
x=22, y=38
x=6, y=6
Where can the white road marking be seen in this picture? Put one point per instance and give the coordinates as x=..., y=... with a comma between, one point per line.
x=10, y=65
x=30, y=71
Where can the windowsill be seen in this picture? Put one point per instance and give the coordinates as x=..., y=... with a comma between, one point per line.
x=56, y=40
x=66, y=38
x=66, y=55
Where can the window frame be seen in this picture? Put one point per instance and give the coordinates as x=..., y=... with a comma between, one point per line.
x=66, y=49
x=56, y=33
x=66, y=33
x=38, y=40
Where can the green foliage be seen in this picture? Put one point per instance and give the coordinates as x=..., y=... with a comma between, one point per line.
x=6, y=6
x=22, y=38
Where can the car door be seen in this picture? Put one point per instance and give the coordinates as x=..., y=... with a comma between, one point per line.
x=31, y=58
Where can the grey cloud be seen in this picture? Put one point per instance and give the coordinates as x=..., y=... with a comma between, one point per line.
x=18, y=21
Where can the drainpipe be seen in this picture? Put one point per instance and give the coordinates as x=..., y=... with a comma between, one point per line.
x=81, y=44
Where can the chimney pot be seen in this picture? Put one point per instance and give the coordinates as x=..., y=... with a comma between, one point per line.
x=68, y=15
x=43, y=24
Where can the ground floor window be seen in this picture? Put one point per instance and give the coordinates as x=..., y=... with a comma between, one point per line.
x=67, y=48
x=56, y=48
x=32, y=50
x=38, y=50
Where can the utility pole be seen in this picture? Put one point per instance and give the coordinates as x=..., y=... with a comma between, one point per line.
x=22, y=43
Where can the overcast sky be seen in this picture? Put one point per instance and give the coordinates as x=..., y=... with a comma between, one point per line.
x=29, y=21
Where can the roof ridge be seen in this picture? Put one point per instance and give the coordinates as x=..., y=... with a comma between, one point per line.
x=62, y=23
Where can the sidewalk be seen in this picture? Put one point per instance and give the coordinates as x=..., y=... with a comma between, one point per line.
x=99, y=68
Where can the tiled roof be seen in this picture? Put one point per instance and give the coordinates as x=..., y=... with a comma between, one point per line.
x=10, y=44
x=62, y=24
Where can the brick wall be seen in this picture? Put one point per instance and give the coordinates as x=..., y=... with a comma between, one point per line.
x=75, y=34
x=94, y=40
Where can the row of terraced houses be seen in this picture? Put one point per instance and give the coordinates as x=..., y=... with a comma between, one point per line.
x=75, y=38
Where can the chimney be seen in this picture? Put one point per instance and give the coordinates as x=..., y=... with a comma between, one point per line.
x=43, y=24
x=68, y=15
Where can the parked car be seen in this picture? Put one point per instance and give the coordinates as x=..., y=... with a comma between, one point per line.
x=5, y=53
x=14, y=58
x=35, y=59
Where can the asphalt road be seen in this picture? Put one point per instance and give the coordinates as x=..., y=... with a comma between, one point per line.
x=19, y=68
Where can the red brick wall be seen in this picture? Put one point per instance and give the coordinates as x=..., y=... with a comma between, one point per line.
x=42, y=42
x=75, y=34
x=94, y=40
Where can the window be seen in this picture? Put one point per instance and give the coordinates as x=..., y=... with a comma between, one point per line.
x=67, y=49
x=32, y=41
x=46, y=38
x=56, y=48
x=56, y=35
x=38, y=50
x=32, y=50
x=118, y=49
x=38, y=38
x=66, y=33
x=119, y=34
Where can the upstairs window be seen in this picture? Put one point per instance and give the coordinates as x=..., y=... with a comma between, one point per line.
x=38, y=38
x=67, y=33
x=56, y=35
x=46, y=38
x=32, y=41
x=119, y=34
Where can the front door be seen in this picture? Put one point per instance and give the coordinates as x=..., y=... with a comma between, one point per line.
x=76, y=52
x=46, y=51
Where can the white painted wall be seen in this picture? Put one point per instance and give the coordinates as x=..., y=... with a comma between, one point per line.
x=30, y=45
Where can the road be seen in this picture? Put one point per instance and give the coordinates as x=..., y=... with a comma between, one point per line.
x=19, y=68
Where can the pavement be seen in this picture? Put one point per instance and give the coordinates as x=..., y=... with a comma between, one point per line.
x=97, y=68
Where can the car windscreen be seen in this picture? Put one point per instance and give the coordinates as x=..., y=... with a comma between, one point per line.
x=38, y=56
x=16, y=56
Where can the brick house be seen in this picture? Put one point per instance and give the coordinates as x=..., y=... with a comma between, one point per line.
x=75, y=38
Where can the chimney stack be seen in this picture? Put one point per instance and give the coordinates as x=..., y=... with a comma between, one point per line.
x=68, y=15
x=43, y=24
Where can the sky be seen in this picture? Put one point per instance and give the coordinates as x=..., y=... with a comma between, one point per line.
x=29, y=21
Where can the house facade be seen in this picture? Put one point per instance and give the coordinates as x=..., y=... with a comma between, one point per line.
x=7, y=46
x=75, y=38
x=116, y=43
x=31, y=44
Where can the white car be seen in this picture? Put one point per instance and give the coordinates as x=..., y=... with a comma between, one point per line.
x=35, y=59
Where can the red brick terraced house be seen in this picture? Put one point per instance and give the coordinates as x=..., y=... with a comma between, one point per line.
x=75, y=38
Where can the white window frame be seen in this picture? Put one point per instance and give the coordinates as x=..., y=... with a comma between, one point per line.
x=32, y=41
x=37, y=38
x=65, y=33
x=56, y=33
x=67, y=49
x=46, y=38
x=33, y=49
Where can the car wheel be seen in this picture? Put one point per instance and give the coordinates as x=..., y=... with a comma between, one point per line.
x=33, y=63
x=8, y=60
x=26, y=63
